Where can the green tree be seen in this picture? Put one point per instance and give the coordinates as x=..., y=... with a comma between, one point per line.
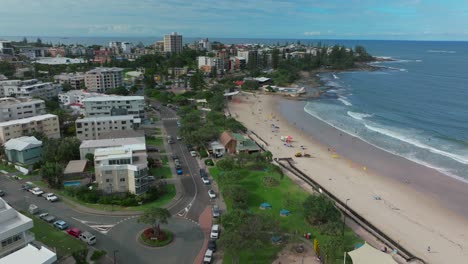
x=7, y=69
x=196, y=81
x=318, y=210
x=90, y=157
x=331, y=248
x=52, y=173
x=155, y=216
x=237, y=195
x=275, y=58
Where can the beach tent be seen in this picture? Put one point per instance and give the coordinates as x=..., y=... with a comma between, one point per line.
x=366, y=254
x=265, y=206
x=284, y=212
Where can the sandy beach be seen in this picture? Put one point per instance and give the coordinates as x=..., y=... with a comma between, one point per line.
x=418, y=206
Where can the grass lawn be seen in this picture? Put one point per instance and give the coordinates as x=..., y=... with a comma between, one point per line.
x=286, y=195
x=163, y=200
x=155, y=141
x=163, y=172
x=55, y=239
x=40, y=184
x=7, y=168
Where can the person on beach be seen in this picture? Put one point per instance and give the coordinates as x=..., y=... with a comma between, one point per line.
x=429, y=249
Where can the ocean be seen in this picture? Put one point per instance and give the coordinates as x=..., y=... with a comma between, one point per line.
x=415, y=107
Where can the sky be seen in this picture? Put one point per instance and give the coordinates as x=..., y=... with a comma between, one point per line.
x=301, y=19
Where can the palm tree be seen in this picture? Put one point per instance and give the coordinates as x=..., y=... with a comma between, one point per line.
x=155, y=216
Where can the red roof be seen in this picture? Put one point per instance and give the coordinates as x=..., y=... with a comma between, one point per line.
x=239, y=83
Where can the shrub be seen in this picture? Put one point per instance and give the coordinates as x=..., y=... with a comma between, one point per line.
x=209, y=162
x=270, y=181
x=203, y=154
x=226, y=164
x=97, y=254
x=318, y=210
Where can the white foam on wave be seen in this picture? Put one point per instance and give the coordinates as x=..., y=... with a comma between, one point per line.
x=358, y=116
x=336, y=77
x=395, y=135
x=396, y=69
x=441, y=51
x=344, y=101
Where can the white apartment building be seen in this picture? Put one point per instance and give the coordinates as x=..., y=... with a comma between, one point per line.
x=47, y=124
x=19, y=108
x=207, y=63
x=173, y=43
x=15, y=238
x=14, y=229
x=92, y=127
x=204, y=44
x=122, y=169
x=89, y=146
x=102, y=79
x=29, y=88
x=76, y=97
x=114, y=105
x=75, y=80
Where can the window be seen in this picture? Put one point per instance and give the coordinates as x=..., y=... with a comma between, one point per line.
x=122, y=179
x=11, y=240
x=107, y=180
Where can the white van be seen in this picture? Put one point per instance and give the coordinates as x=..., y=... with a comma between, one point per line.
x=88, y=238
x=214, y=232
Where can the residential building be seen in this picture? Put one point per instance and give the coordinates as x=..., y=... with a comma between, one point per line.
x=75, y=80
x=251, y=56
x=92, y=127
x=29, y=88
x=76, y=50
x=33, y=52
x=114, y=105
x=6, y=48
x=76, y=97
x=23, y=150
x=18, y=108
x=173, y=43
x=204, y=44
x=47, y=124
x=15, y=238
x=59, y=61
x=102, y=79
x=177, y=72
x=159, y=46
x=103, y=55
x=208, y=64
x=122, y=169
x=228, y=141
x=56, y=51
x=14, y=229
x=245, y=145
x=89, y=146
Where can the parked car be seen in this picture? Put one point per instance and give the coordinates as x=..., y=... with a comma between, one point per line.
x=74, y=232
x=212, y=245
x=203, y=173
x=193, y=153
x=152, y=149
x=50, y=197
x=212, y=194
x=180, y=171
x=179, y=138
x=205, y=180
x=208, y=256
x=2, y=193
x=177, y=162
x=88, y=238
x=36, y=191
x=151, y=178
x=215, y=211
x=214, y=232
x=174, y=156
x=170, y=141
x=47, y=217
x=60, y=224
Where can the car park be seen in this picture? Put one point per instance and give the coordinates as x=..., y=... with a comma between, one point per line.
x=215, y=211
x=205, y=180
x=214, y=232
x=88, y=238
x=208, y=256
x=60, y=224
x=212, y=194
x=74, y=232
x=212, y=245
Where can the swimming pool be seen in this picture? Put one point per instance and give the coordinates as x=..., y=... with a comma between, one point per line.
x=72, y=183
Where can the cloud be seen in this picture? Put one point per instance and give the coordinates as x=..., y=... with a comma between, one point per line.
x=312, y=33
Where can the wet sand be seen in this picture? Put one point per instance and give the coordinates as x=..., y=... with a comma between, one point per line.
x=418, y=206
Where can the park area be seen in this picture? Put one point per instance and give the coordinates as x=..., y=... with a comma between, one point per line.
x=259, y=190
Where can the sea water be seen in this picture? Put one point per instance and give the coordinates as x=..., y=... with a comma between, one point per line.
x=415, y=107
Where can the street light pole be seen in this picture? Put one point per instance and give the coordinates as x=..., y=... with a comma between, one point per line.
x=115, y=258
x=344, y=216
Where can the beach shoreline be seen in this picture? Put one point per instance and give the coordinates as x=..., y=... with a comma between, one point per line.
x=411, y=210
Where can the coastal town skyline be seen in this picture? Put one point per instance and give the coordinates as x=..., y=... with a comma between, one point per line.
x=398, y=20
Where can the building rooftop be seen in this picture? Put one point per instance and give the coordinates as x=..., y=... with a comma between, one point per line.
x=113, y=98
x=31, y=255
x=22, y=143
x=75, y=166
x=59, y=60
x=109, y=118
x=244, y=143
x=11, y=219
x=105, y=69
x=12, y=101
x=121, y=134
x=134, y=143
x=27, y=120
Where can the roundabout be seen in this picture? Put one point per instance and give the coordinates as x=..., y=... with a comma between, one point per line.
x=147, y=238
